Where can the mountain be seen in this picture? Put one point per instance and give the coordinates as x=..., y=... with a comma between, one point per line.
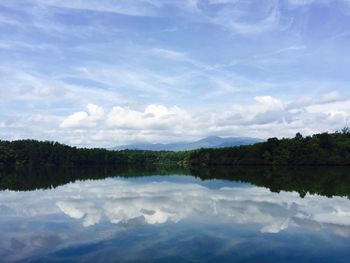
x=208, y=142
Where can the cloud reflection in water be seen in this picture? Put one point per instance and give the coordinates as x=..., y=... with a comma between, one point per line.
x=44, y=221
x=162, y=202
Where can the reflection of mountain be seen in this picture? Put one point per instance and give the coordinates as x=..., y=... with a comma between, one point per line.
x=208, y=142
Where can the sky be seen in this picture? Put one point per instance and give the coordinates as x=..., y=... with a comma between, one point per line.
x=101, y=73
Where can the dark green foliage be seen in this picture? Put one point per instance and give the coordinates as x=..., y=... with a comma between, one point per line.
x=31, y=153
x=319, y=149
x=327, y=181
x=31, y=178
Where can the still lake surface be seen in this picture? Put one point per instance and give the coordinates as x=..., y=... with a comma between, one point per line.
x=215, y=215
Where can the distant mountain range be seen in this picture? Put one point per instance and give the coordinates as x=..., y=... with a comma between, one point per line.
x=208, y=142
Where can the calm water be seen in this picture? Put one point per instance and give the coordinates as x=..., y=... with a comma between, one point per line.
x=187, y=217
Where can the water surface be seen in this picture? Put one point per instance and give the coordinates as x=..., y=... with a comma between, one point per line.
x=178, y=218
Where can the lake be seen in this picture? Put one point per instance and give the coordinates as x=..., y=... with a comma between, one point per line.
x=176, y=215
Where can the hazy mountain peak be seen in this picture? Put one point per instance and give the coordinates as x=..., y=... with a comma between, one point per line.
x=212, y=138
x=212, y=141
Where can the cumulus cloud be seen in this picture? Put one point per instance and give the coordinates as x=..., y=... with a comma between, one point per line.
x=77, y=119
x=265, y=116
x=157, y=117
x=82, y=119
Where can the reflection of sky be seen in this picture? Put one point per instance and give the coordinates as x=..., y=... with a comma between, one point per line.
x=94, y=211
x=185, y=179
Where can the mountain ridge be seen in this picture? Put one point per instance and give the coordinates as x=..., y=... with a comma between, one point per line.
x=207, y=142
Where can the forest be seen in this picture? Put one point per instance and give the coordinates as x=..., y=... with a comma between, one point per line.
x=316, y=150
x=32, y=153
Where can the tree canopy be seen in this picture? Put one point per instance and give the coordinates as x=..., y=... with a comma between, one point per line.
x=319, y=149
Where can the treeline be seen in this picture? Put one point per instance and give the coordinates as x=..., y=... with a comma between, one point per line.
x=319, y=149
x=32, y=153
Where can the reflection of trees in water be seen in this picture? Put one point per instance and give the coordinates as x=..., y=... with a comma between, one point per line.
x=327, y=181
x=45, y=177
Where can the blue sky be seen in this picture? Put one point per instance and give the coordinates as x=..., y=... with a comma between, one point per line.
x=110, y=72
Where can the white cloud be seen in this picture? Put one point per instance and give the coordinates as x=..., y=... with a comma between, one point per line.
x=77, y=119
x=96, y=113
x=299, y=3
x=157, y=117
x=282, y=51
x=234, y=15
x=34, y=87
x=82, y=119
x=265, y=116
x=45, y=89
x=330, y=97
x=269, y=102
x=132, y=8
x=238, y=17
x=171, y=54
